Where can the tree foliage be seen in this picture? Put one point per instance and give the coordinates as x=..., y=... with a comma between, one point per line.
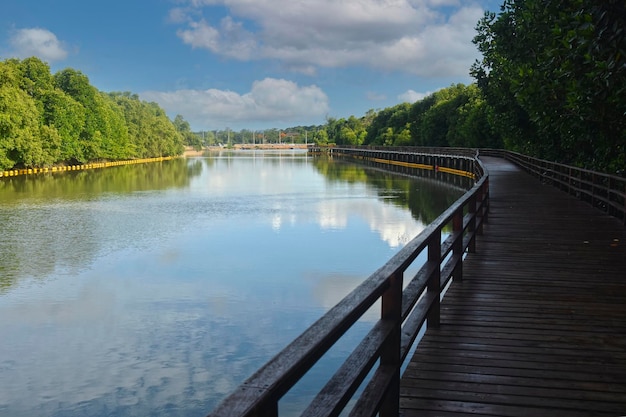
x=453, y=116
x=554, y=73
x=351, y=131
x=60, y=118
x=184, y=129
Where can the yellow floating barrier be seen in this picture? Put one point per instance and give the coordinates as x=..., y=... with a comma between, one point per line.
x=96, y=165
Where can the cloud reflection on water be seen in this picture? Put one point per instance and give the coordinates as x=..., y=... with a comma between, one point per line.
x=162, y=302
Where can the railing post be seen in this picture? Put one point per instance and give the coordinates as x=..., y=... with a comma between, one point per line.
x=434, y=286
x=471, y=227
x=624, y=211
x=457, y=247
x=484, y=199
x=623, y=189
x=481, y=213
x=390, y=353
x=593, y=189
x=569, y=181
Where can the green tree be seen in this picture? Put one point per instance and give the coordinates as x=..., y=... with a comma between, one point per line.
x=184, y=129
x=115, y=141
x=150, y=132
x=20, y=141
x=47, y=119
x=36, y=79
x=388, y=136
x=321, y=137
x=396, y=118
x=403, y=138
x=554, y=73
x=77, y=86
x=474, y=128
x=65, y=115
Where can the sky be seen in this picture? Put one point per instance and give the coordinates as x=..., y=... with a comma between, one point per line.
x=253, y=64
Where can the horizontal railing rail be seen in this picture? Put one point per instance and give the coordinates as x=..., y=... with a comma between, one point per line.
x=603, y=191
x=432, y=150
x=405, y=309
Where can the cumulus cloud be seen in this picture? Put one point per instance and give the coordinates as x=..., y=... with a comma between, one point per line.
x=423, y=37
x=37, y=42
x=269, y=100
x=411, y=96
x=229, y=39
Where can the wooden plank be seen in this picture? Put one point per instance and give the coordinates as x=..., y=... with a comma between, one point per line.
x=419, y=407
x=538, y=325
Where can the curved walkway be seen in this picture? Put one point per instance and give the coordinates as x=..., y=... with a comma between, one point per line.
x=538, y=325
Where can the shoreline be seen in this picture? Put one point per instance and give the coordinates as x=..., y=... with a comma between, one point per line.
x=81, y=167
x=190, y=152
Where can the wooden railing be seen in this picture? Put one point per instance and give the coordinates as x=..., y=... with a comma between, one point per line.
x=405, y=309
x=603, y=191
x=439, y=163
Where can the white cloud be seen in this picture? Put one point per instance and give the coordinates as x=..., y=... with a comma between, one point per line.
x=411, y=96
x=230, y=39
x=177, y=15
x=394, y=225
x=423, y=37
x=438, y=3
x=270, y=100
x=37, y=42
x=373, y=96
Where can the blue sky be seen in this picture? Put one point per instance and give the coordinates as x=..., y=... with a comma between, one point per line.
x=253, y=64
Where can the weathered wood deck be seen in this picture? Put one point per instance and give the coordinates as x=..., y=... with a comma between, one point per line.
x=538, y=325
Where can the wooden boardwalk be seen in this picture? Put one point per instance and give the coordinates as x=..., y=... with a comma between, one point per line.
x=538, y=325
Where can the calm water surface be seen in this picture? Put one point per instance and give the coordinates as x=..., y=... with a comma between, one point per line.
x=154, y=290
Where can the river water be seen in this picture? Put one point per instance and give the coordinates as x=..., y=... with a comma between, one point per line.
x=155, y=289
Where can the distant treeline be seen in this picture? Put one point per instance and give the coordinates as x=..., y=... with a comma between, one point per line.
x=48, y=119
x=453, y=116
